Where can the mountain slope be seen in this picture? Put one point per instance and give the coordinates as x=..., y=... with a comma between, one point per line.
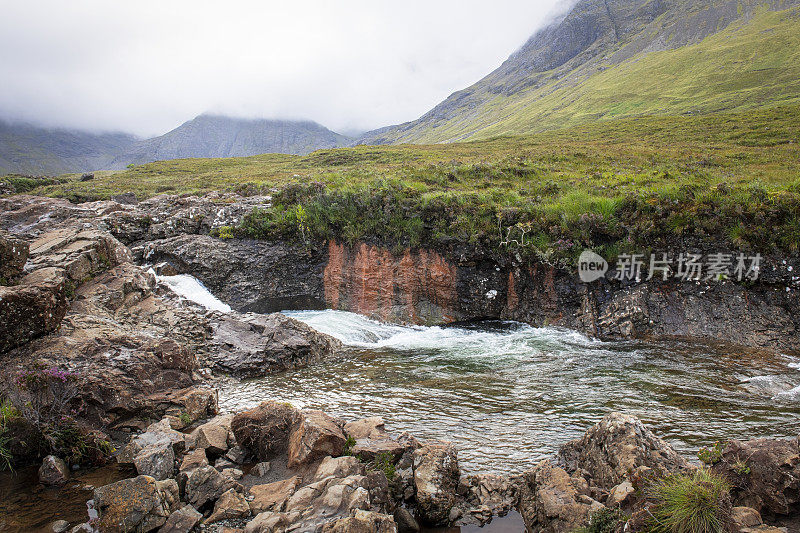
x=219, y=136
x=617, y=58
x=33, y=150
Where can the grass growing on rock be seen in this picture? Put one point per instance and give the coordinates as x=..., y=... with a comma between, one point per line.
x=630, y=184
x=696, y=502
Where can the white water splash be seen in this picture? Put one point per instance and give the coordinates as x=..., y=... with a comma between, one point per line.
x=511, y=339
x=192, y=289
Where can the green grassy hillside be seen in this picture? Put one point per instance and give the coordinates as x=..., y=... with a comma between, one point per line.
x=754, y=62
x=727, y=179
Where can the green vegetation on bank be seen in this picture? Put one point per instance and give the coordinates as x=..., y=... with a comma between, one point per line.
x=627, y=184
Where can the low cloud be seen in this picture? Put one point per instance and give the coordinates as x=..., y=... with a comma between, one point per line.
x=145, y=67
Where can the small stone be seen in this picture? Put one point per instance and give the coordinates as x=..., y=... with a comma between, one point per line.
x=236, y=455
x=53, y=471
x=406, y=523
x=59, y=526
x=233, y=473
x=261, y=469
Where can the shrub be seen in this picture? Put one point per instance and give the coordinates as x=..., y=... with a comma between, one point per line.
x=711, y=456
x=45, y=398
x=348, y=446
x=605, y=521
x=697, y=502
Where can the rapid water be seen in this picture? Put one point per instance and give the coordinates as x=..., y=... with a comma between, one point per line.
x=509, y=394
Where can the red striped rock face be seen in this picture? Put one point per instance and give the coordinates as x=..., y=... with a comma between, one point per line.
x=417, y=287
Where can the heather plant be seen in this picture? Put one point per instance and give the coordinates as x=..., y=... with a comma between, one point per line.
x=45, y=398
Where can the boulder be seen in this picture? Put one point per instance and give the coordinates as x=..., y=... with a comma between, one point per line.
x=362, y=522
x=314, y=435
x=486, y=495
x=616, y=446
x=156, y=461
x=267, y=522
x=194, y=459
x=339, y=467
x=252, y=345
x=53, y=471
x=139, y=504
x=436, y=475
x=551, y=501
x=264, y=430
x=326, y=500
x=230, y=505
x=13, y=254
x=181, y=521
x=214, y=435
x=366, y=428
x=771, y=480
x=272, y=496
x=206, y=484
x=33, y=307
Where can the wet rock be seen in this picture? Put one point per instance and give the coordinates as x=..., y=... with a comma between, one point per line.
x=314, y=435
x=339, y=467
x=230, y=505
x=362, y=522
x=551, y=501
x=272, y=496
x=406, y=523
x=13, y=254
x=255, y=345
x=206, y=484
x=181, y=521
x=214, y=435
x=765, y=474
x=486, y=495
x=436, y=477
x=264, y=430
x=135, y=504
x=53, y=471
x=615, y=446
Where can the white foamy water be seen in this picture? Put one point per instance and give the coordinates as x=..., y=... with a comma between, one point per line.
x=192, y=289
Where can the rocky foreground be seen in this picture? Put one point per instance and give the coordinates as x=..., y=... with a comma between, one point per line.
x=275, y=468
x=93, y=350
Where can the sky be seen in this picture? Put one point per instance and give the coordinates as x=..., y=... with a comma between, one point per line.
x=145, y=67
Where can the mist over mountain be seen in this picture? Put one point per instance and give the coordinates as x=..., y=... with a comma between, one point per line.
x=30, y=149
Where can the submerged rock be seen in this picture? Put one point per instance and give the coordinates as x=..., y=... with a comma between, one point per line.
x=617, y=446
x=53, y=471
